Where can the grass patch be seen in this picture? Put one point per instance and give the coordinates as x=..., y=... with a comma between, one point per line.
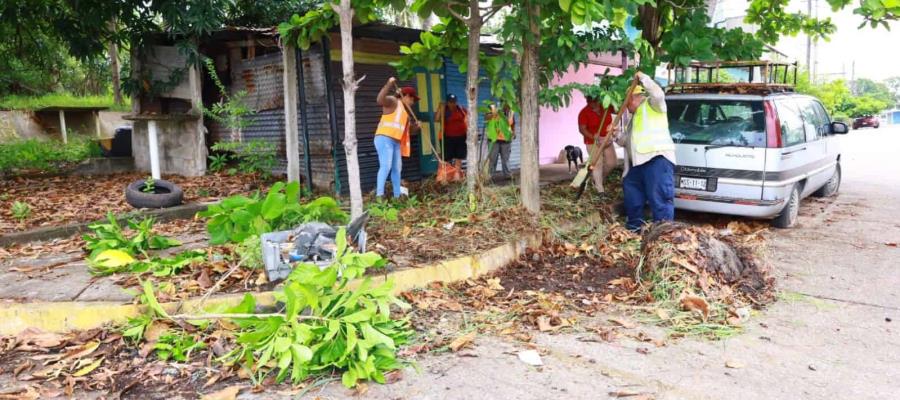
x=61, y=100
x=37, y=155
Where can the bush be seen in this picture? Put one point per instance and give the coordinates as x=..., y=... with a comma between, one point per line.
x=239, y=217
x=36, y=155
x=250, y=157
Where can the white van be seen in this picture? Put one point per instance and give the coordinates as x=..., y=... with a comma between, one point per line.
x=754, y=155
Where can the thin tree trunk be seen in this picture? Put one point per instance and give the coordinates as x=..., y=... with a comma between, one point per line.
x=472, y=160
x=530, y=170
x=114, y=68
x=345, y=11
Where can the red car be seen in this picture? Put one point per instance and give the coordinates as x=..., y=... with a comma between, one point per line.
x=868, y=120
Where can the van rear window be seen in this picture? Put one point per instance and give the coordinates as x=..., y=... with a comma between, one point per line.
x=717, y=122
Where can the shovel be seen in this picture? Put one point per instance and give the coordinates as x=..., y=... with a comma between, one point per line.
x=596, y=153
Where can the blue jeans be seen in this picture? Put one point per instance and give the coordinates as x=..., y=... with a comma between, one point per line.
x=388, y=162
x=651, y=182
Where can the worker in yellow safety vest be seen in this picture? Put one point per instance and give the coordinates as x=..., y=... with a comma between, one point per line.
x=392, y=135
x=649, y=156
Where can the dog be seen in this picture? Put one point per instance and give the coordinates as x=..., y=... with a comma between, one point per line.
x=574, y=155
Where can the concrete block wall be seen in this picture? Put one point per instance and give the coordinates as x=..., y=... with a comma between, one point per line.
x=182, y=147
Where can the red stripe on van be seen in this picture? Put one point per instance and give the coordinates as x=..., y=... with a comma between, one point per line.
x=773, y=126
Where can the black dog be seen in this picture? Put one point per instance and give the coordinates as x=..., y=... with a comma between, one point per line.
x=573, y=155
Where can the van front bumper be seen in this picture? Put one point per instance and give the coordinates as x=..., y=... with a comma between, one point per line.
x=729, y=205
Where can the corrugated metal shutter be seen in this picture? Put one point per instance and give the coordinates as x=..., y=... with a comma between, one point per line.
x=368, y=113
x=262, y=79
x=456, y=84
x=316, y=120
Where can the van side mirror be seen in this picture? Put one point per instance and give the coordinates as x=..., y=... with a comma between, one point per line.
x=839, y=128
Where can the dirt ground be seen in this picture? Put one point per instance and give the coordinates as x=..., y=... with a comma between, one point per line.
x=832, y=334
x=68, y=199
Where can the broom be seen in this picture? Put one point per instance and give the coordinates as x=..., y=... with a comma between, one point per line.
x=441, y=163
x=596, y=152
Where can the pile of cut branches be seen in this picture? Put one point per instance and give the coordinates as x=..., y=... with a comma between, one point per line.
x=704, y=280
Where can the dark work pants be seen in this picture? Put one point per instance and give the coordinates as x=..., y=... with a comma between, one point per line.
x=649, y=183
x=499, y=148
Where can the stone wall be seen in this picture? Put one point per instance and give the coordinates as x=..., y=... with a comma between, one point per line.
x=182, y=146
x=21, y=124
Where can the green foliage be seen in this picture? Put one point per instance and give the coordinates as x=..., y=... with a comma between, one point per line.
x=111, y=236
x=251, y=156
x=691, y=38
x=13, y=102
x=218, y=162
x=384, y=210
x=230, y=110
x=249, y=252
x=167, y=266
x=774, y=21
x=20, y=210
x=839, y=100
x=33, y=154
x=326, y=325
x=305, y=30
x=446, y=39
x=859, y=106
x=149, y=185
x=876, y=90
x=239, y=217
x=176, y=345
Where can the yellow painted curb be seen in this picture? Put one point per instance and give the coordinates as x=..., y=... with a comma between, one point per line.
x=77, y=315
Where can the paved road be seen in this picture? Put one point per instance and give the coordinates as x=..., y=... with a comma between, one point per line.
x=834, y=334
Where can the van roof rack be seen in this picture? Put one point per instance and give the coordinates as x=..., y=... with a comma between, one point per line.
x=736, y=77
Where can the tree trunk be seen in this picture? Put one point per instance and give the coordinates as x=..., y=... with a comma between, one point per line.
x=114, y=68
x=472, y=160
x=345, y=11
x=530, y=170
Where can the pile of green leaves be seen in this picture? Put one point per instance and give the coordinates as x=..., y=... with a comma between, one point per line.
x=112, y=236
x=37, y=155
x=325, y=325
x=248, y=157
x=240, y=217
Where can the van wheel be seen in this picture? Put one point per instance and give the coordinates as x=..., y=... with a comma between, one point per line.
x=788, y=216
x=831, y=187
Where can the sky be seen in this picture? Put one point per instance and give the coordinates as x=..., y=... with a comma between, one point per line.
x=876, y=51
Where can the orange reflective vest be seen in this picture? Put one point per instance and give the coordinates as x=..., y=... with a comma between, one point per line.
x=396, y=126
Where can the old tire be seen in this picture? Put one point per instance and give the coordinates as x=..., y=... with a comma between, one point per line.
x=167, y=195
x=832, y=186
x=788, y=216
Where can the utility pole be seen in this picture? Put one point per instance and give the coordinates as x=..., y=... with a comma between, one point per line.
x=809, y=67
x=815, y=48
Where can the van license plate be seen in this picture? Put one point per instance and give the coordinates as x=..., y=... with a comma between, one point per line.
x=692, y=183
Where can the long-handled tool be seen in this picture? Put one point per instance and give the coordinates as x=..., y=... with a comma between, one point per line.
x=445, y=170
x=596, y=153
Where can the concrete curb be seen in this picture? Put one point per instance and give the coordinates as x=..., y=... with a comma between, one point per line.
x=74, y=315
x=185, y=211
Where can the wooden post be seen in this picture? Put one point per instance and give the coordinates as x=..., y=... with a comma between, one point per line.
x=62, y=126
x=290, y=113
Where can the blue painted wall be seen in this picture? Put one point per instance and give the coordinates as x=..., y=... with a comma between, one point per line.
x=455, y=83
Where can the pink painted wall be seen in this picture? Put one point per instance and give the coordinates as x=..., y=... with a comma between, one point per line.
x=560, y=128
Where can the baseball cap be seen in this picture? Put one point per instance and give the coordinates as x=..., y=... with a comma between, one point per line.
x=451, y=97
x=410, y=91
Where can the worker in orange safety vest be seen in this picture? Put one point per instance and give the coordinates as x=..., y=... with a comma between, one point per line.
x=392, y=137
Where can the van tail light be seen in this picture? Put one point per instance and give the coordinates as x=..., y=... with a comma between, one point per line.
x=773, y=126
